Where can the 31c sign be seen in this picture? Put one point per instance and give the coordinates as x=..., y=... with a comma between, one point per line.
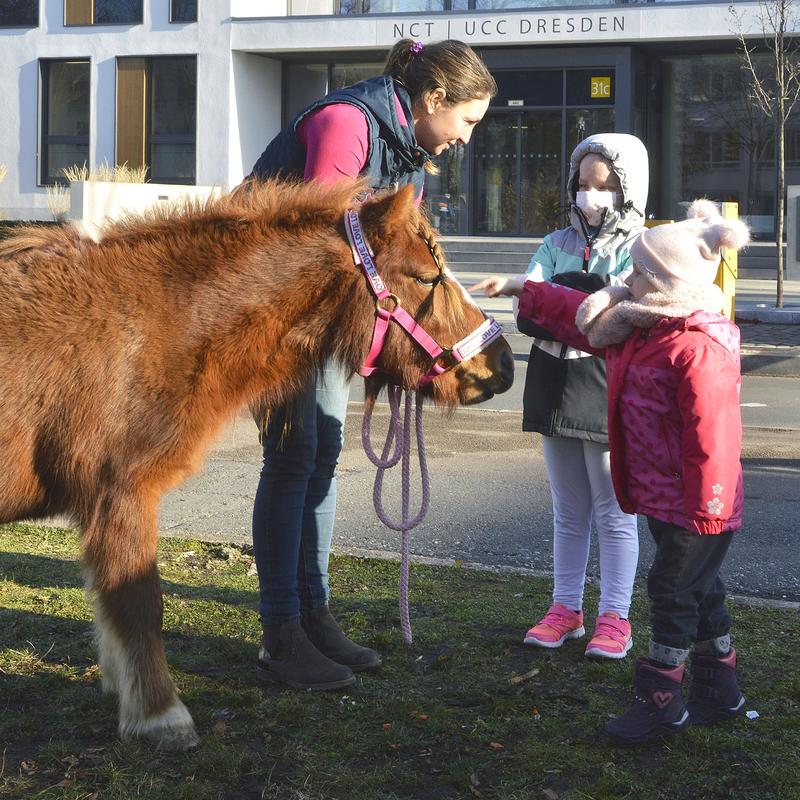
x=601, y=87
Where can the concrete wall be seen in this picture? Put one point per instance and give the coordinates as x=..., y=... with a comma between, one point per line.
x=628, y=23
x=255, y=111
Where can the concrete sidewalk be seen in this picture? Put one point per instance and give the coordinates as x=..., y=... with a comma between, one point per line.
x=755, y=302
x=770, y=335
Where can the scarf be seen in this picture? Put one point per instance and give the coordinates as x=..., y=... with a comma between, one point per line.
x=610, y=315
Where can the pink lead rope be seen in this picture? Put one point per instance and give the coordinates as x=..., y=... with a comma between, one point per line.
x=398, y=434
x=398, y=437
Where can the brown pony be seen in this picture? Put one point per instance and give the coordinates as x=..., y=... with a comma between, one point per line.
x=121, y=358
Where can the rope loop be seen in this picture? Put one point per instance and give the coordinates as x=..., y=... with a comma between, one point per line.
x=398, y=442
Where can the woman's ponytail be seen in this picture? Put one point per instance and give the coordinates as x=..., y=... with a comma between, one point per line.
x=450, y=65
x=398, y=62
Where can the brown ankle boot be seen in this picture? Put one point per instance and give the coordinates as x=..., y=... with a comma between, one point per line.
x=287, y=656
x=322, y=630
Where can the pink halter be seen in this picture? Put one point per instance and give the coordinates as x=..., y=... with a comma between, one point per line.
x=469, y=346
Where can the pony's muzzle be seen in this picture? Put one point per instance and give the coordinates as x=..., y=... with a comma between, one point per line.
x=506, y=369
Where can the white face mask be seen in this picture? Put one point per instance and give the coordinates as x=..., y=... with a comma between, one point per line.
x=593, y=202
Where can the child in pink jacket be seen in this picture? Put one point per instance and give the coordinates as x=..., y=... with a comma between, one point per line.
x=675, y=432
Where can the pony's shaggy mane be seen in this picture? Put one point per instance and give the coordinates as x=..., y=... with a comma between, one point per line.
x=268, y=204
x=38, y=237
x=271, y=203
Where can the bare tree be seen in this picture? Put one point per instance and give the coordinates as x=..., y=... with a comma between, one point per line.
x=775, y=91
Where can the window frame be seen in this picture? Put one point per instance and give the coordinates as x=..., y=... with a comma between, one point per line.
x=73, y=10
x=45, y=138
x=167, y=138
x=134, y=115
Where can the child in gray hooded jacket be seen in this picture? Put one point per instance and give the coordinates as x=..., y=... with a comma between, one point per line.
x=565, y=397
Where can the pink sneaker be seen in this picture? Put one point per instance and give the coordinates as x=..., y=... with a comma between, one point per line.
x=558, y=624
x=611, y=638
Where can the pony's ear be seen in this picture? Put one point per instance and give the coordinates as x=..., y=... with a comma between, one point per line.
x=387, y=213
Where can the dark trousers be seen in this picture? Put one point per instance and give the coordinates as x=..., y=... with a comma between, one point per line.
x=687, y=596
x=295, y=504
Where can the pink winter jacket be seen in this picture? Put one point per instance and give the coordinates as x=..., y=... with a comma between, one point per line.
x=675, y=429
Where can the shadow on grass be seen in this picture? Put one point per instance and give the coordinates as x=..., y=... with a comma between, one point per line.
x=39, y=709
x=44, y=632
x=43, y=642
x=46, y=572
x=40, y=572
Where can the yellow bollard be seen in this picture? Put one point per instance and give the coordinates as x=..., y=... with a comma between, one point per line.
x=651, y=223
x=729, y=268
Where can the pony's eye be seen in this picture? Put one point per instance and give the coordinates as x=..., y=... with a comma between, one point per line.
x=428, y=281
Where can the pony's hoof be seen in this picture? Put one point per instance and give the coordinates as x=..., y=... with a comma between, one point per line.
x=176, y=740
x=171, y=730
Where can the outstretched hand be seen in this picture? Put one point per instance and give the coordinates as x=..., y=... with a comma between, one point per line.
x=496, y=285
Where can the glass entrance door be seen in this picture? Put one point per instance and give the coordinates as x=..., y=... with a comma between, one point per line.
x=518, y=172
x=541, y=175
x=521, y=150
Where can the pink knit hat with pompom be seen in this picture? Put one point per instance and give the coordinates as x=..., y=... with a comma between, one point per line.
x=689, y=250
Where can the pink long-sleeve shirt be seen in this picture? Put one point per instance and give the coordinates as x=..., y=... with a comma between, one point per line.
x=336, y=139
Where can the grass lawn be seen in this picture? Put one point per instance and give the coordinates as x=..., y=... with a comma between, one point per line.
x=464, y=712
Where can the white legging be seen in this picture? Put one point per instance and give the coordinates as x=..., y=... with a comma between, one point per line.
x=580, y=483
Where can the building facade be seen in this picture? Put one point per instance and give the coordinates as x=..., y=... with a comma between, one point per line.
x=194, y=89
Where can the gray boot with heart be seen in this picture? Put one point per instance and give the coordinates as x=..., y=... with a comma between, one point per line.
x=658, y=708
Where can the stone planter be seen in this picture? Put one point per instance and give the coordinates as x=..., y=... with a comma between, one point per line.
x=94, y=203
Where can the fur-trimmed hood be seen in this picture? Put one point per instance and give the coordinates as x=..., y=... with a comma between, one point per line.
x=609, y=316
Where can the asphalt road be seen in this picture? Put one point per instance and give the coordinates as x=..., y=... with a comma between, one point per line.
x=771, y=401
x=490, y=499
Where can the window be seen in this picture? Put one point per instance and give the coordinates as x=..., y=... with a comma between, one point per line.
x=19, y=14
x=102, y=12
x=117, y=12
x=157, y=116
x=183, y=11
x=713, y=149
x=65, y=118
x=347, y=74
x=173, y=113
x=793, y=145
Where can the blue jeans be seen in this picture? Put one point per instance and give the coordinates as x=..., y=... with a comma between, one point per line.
x=295, y=503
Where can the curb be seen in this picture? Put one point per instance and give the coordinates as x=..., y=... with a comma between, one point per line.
x=762, y=312
x=430, y=561
x=771, y=362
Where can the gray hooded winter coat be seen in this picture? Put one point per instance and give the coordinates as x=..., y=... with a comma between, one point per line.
x=565, y=389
